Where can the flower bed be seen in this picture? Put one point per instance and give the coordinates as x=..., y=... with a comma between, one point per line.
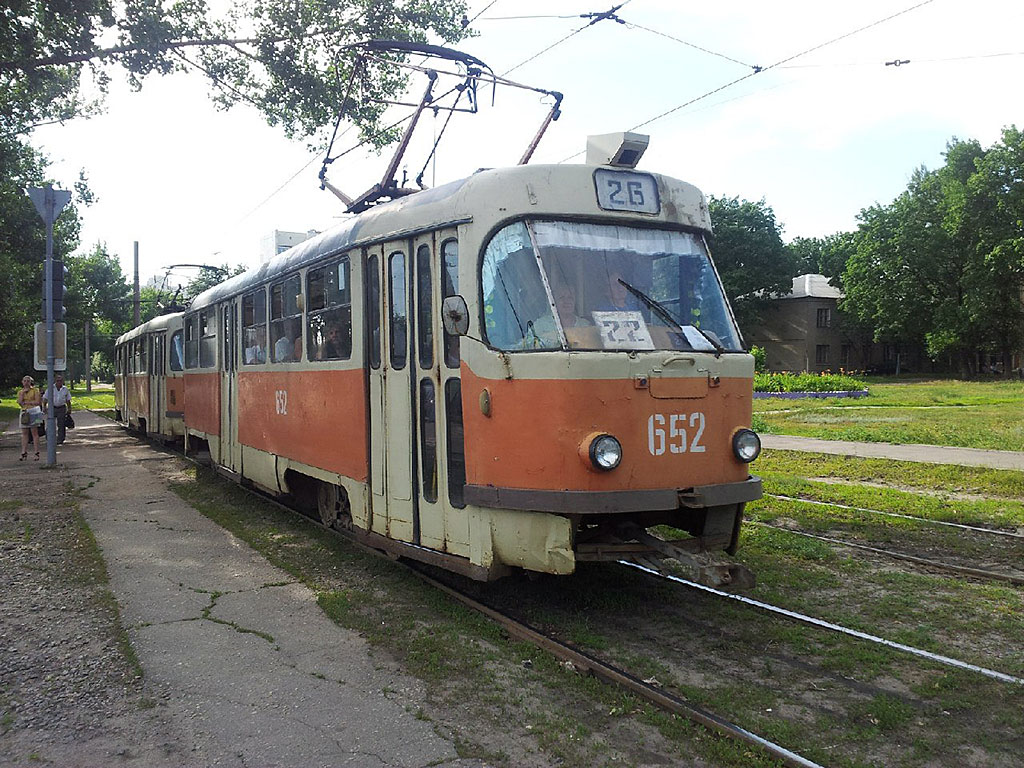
x=798, y=385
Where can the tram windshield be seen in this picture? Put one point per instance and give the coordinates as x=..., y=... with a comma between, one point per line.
x=573, y=285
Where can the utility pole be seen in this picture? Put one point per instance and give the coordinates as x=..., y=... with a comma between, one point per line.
x=88, y=359
x=50, y=202
x=138, y=295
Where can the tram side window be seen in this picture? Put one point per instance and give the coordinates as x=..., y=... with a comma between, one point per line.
x=373, y=312
x=254, y=327
x=329, y=314
x=456, y=445
x=398, y=325
x=192, y=342
x=140, y=356
x=157, y=360
x=207, y=340
x=424, y=307
x=450, y=251
x=286, y=320
x=177, y=350
x=428, y=440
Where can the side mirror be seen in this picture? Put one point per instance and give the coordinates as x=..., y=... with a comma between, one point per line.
x=455, y=316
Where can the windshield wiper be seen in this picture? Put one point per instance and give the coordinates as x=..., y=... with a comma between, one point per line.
x=663, y=313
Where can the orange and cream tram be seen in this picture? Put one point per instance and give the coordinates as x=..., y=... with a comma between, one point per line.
x=525, y=368
x=148, y=382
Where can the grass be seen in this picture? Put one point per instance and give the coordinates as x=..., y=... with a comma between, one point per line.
x=987, y=414
x=100, y=399
x=480, y=680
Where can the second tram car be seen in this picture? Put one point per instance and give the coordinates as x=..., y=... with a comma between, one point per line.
x=149, y=387
x=525, y=368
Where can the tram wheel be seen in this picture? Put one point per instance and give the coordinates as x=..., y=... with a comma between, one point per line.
x=331, y=503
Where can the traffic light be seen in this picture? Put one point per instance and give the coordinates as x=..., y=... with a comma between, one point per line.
x=60, y=271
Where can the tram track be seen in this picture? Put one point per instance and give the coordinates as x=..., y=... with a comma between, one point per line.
x=827, y=625
x=646, y=691
x=580, y=660
x=916, y=518
x=980, y=573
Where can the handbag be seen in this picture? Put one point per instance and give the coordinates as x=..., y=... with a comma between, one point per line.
x=69, y=423
x=25, y=419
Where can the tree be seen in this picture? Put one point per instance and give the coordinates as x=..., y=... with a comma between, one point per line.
x=98, y=292
x=749, y=254
x=290, y=60
x=22, y=253
x=941, y=265
x=823, y=256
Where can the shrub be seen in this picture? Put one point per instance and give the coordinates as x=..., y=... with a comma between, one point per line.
x=806, y=382
x=760, y=358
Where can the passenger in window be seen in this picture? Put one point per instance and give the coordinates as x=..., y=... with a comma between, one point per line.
x=620, y=298
x=283, y=347
x=542, y=332
x=331, y=349
x=256, y=352
x=297, y=346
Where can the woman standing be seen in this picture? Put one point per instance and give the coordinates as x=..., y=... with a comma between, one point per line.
x=31, y=415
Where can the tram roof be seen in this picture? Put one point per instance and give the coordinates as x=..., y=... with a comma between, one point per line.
x=158, y=323
x=488, y=190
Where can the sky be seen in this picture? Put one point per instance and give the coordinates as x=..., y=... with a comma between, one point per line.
x=818, y=136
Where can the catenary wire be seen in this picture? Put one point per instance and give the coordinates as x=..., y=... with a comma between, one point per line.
x=634, y=25
x=596, y=17
x=778, y=64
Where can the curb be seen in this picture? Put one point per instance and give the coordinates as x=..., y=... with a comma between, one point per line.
x=801, y=395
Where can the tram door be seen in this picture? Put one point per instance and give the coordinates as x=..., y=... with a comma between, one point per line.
x=230, y=451
x=439, y=468
x=387, y=307
x=157, y=384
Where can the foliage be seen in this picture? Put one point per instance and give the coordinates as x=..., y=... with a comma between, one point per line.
x=22, y=253
x=823, y=255
x=806, y=382
x=943, y=264
x=209, y=277
x=760, y=358
x=290, y=60
x=749, y=254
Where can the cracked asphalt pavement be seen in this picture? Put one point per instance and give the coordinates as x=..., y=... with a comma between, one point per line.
x=240, y=665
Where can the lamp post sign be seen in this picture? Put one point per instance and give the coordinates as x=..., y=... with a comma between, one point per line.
x=50, y=202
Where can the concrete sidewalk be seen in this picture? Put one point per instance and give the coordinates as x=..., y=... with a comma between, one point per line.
x=249, y=667
x=932, y=454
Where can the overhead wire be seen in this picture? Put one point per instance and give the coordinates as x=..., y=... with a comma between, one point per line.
x=634, y=25
x=594, y=18
x=776, y=65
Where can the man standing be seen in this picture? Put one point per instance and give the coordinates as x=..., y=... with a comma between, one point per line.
x=61, y=405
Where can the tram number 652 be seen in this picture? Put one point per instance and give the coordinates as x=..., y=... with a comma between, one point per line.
x=281, y=401
x=675, y=433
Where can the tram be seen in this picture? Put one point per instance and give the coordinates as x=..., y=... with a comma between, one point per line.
x=149, y=387
x=526, y=368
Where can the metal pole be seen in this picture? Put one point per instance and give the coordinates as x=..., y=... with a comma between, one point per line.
x=138, y=313
x=51, y=428
x=49, y=203
x=88, y=359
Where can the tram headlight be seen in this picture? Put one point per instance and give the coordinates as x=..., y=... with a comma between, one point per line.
x=605, y=452
x=746, y=445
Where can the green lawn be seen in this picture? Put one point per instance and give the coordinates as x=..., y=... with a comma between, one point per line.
x=983, y=414
x=100, y=399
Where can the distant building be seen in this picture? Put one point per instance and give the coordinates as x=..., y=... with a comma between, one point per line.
x=801, y=330
x=279, y=242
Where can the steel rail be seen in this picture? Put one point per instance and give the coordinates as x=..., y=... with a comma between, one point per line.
x=612, y=674
x=975, y=528
x=967, y=570
x=822, y=624
x=580, y=659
